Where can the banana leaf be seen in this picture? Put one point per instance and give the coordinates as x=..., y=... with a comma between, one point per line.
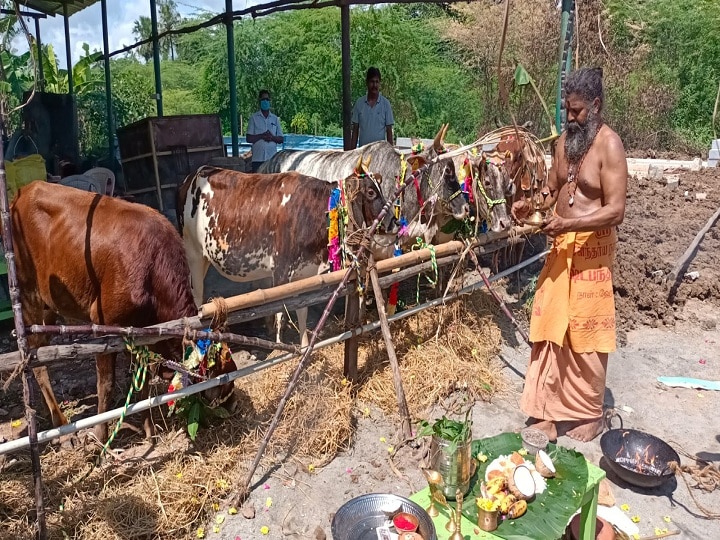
x=548, y=513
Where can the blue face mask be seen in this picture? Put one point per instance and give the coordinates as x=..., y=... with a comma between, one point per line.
x=264, y=104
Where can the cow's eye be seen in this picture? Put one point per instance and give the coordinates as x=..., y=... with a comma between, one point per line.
x=371, y=194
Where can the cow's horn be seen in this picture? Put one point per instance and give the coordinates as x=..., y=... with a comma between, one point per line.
x=440, y=137
x=359, y=166
x=366, y=165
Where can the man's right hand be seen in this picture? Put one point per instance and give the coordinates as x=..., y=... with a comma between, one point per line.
x=520, y=210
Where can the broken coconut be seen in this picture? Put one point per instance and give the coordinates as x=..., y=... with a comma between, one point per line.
x=544, y=465
x=521, y=483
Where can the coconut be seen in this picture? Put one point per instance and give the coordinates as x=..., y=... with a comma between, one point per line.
x=544, y=464
x=521, y=483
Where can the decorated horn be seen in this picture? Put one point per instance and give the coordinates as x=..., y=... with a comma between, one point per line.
x=359, y=166
x=366, y=165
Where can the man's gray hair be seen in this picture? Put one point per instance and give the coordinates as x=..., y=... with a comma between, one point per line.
x=587, y=83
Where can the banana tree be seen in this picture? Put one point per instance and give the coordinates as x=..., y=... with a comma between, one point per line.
x=523, y=78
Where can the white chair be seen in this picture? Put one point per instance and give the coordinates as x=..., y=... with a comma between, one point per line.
x=103, y=177
x=82, y=182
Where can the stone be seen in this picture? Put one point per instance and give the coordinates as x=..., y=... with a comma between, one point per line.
x=248, y=510
x=319, y=533
x=700, y=196
x=672, y=180
x=696, y=164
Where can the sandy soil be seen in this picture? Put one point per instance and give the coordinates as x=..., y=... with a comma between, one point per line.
x=661, y=336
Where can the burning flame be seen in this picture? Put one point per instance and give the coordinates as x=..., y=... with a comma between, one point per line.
x=643, y=461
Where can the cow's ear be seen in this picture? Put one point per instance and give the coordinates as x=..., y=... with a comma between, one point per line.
x=416, y=162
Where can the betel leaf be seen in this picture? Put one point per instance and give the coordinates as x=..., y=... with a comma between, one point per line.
x=549, y=512
x=522, y=77
x=194, y=420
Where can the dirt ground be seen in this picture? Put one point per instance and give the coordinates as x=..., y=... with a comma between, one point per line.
x=661, y=335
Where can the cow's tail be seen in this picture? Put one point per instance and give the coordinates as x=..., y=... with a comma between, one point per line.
x=180, y=198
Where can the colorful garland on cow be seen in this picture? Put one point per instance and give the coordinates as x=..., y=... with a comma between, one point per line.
x=337, y=219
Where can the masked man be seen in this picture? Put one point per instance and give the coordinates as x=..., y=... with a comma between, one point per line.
x=264, y=132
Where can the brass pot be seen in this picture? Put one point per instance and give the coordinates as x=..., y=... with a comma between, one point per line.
x=487, y=520
x=455, y=467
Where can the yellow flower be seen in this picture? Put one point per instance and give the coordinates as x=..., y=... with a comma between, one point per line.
x=383, y=439
x=215, y=506
x=216, y=529
x=219, y=519
x=265, y=529
x=366, y=411
x=391, y=449
x=635, y=519
x=482, y=458
x=232, y=510
x=522, y=452
x=636, y=536
x=667, y=519
x=268, y=502
x=625, y=508
x=311, y=467
x=178, y=475
x=16, y=423
x=200, y=532
x=344, y=382
x=660, y=532
x=221, y=484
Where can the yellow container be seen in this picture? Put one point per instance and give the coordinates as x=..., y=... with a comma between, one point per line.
x=24, y=170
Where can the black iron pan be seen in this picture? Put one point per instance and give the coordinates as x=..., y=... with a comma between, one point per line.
x=621, y=448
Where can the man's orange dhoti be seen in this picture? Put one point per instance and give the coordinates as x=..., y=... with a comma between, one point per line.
x=572, y=329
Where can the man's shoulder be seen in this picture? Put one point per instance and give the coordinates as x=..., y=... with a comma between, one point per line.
x=609, y=140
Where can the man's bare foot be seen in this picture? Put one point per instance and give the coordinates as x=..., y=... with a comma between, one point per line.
x=585, y=430
x=548, y=428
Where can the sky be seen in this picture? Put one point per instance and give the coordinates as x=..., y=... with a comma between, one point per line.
x=86, y=25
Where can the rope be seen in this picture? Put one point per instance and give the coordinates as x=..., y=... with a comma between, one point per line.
x=219, y=320
x=490, y=202
x=421, y=244
x=142, y=356
x=706, y=477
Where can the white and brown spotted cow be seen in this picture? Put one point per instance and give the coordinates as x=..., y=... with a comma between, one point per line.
x=257, y=226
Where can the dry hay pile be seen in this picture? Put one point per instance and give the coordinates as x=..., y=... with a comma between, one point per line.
x=167, y=491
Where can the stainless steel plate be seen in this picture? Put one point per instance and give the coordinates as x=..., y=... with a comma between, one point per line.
x=359, y=518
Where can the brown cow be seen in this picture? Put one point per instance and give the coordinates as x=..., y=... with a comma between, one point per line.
x=258, y=226
x=95, y=258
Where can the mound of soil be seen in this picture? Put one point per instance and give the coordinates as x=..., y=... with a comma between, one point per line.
x=660, y=224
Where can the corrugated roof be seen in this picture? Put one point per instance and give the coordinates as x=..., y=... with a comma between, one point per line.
x=55, y=7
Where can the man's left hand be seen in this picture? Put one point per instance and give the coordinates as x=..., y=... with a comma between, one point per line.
x=554, y=225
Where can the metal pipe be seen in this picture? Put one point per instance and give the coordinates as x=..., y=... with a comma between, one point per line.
x=68, y=55
x=72, y=427
x=108, y=83
x=232, y=79
x=156, y=58
x=564, y=61
x=346, y=74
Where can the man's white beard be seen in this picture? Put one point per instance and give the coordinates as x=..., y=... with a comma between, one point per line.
x=579, y=137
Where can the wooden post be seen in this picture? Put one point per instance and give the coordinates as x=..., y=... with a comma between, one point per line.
x=397, y=378
x=27, y=376
x=352, y=320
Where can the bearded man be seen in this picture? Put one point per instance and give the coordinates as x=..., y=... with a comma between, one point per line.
x=572, y=327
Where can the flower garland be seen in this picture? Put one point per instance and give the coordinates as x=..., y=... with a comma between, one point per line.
x=337, y=216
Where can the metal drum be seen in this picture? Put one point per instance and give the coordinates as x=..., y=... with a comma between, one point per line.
x=454, y=467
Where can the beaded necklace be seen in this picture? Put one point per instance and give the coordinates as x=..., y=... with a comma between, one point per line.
x=574, y=169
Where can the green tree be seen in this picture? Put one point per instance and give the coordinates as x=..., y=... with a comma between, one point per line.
x=142, y=29
x=169, y=19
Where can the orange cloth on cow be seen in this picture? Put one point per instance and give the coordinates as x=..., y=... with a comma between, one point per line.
x=574, y=295
x=562, y=385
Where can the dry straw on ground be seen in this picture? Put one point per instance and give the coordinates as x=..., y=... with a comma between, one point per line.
x=169, y=490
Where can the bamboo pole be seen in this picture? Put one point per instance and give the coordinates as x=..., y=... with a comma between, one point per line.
x=394, y=365
x=264, y=296
x=497, y=298
x=131, y=332
x=27, y=377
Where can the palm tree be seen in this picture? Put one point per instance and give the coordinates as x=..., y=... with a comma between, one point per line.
x=142, y=29
x=169, y=20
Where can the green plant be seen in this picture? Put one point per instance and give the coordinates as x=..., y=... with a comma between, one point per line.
x=196, y=412
x=454, y=431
